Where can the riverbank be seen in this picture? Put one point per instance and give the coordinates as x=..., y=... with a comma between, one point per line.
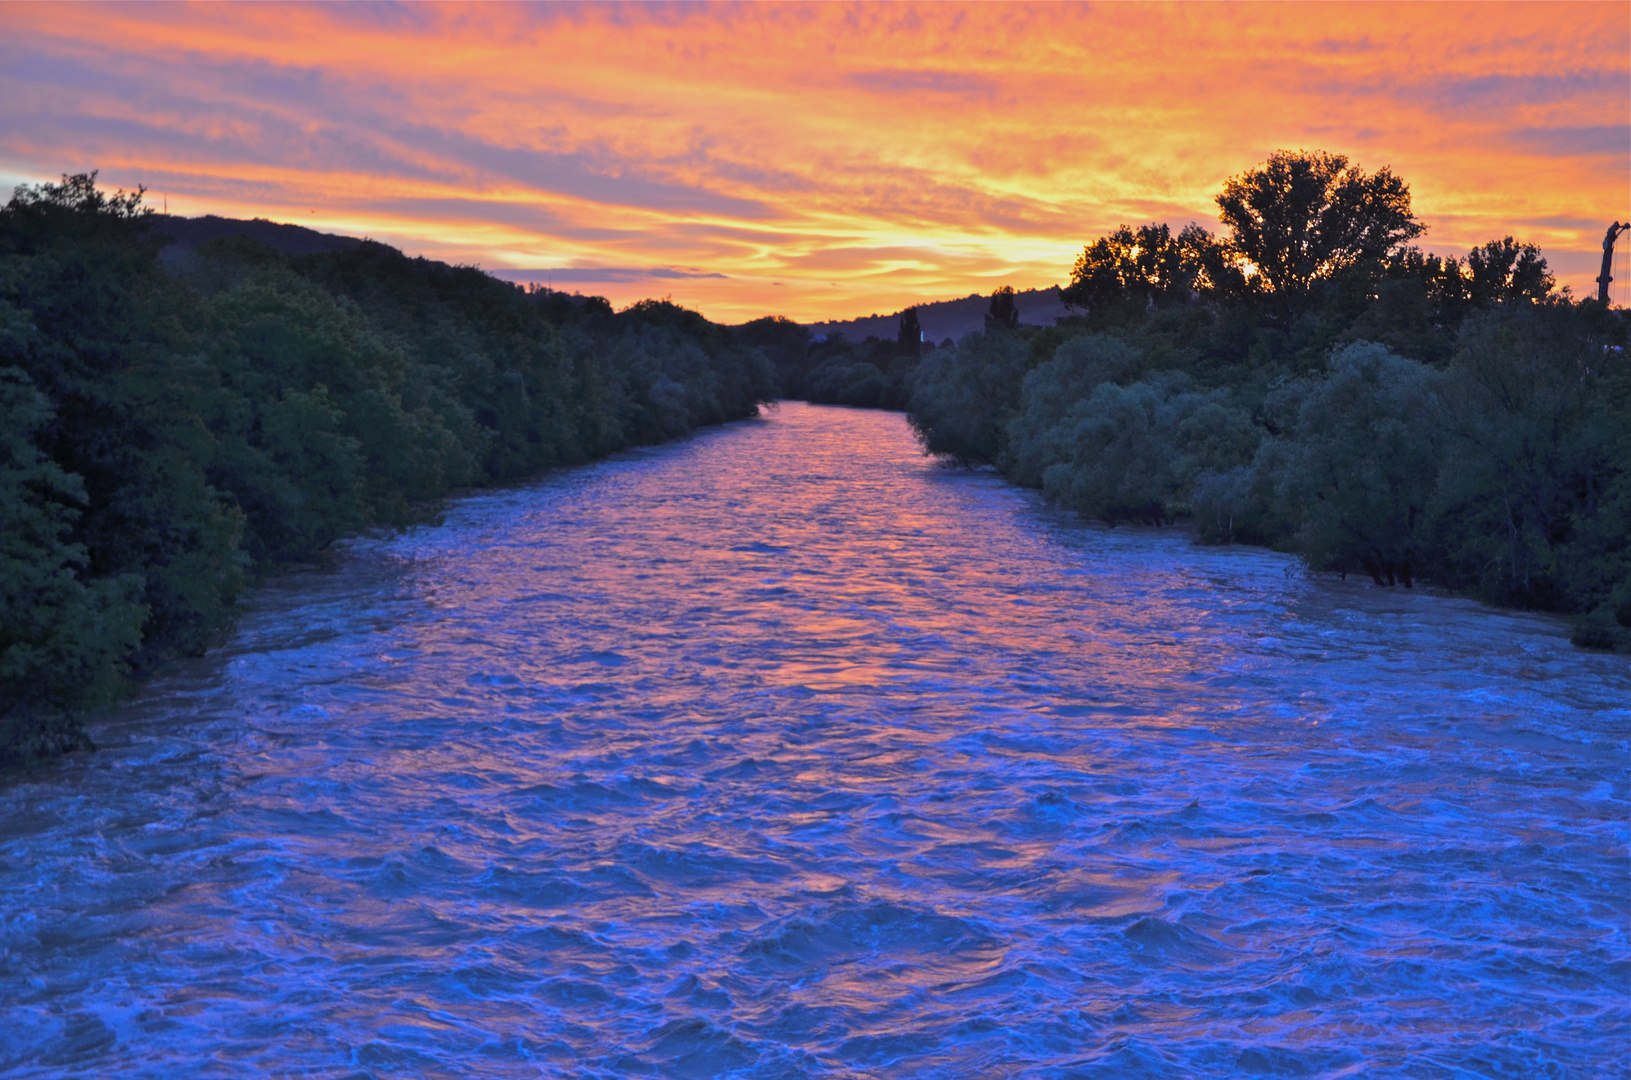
x=1502, y=473
x=175, y=429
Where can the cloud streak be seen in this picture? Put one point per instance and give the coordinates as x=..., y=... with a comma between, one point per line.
x=816, y=160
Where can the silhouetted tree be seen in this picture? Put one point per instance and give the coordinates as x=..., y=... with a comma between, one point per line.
x=77, y=198
x=1150, y=266
x=911, y=333
x=1504, y=270
x=1307, y=216
x=1004, y=313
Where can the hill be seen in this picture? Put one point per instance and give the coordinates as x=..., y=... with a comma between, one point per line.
x=951, y=318
x=188, y=233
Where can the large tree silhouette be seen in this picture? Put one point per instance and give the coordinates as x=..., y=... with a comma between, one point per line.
x=1308, y=216
x=1505, y=271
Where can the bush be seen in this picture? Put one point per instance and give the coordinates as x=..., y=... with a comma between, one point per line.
x=1361, y=465
x=965, y=395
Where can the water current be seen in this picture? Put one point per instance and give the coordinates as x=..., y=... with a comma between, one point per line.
x=787, y=752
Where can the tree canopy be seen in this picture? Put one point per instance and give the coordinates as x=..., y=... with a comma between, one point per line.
x=1004, y=312
x=1312, y=381
x=1308, y=216
x=1150, y=266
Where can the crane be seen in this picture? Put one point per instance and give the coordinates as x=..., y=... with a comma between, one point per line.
x=1605, y=277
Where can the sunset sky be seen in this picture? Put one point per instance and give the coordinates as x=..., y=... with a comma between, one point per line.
x=817, y=161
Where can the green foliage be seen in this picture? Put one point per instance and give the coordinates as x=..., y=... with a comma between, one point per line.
x=63, y=638
x=871, y=374
x=1118, y=448
x=1370, y=407
x=1051, y=390
x=1531, y=506
x=1128, y=452
x=964, y=395
x=784, y=345
x=167, y=436
x=1361, y=463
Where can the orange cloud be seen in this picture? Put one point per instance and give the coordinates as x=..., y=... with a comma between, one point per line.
x=826, y=160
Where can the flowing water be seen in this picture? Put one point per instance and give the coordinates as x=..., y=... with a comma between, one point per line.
x=786, y=752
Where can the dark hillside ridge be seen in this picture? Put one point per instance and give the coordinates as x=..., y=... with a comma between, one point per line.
x=953, y=319
x=188, y=233
x=182, y=236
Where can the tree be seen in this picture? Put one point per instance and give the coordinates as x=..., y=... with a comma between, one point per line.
x=1051, y=389
x=962, y=396
x=1150, y=266
x=1504, y=270
x=1360, y=467
x=911, y=333
x=1004, y=313
x=63, y=634
x=1307, y=216
x=77, y=195
x=165, y=429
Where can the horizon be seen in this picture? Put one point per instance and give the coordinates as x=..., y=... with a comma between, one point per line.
x=818, y=162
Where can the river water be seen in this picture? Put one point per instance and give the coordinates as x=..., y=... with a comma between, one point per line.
x=786, y=752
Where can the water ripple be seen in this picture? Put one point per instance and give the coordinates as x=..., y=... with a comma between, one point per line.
x=785, y=752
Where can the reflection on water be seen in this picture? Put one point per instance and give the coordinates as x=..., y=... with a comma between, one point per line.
x=785, y=752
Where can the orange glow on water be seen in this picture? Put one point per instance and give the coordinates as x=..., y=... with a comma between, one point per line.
x=818, y=161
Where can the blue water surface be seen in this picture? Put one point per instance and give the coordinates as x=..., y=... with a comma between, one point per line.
x=787, y=752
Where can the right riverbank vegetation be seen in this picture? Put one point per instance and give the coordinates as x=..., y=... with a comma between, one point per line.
x=172, y=429
x=1311, y=380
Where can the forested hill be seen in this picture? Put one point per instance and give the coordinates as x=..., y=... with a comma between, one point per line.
x=172, y=428
x=181, y=235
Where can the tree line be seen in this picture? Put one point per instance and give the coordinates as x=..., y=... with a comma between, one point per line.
x=1312, y=381
x=170, y=433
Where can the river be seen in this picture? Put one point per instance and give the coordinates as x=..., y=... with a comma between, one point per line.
x=784, y=751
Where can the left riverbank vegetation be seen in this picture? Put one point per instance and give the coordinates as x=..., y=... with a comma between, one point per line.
x=173, y=429
x=1312, y=380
